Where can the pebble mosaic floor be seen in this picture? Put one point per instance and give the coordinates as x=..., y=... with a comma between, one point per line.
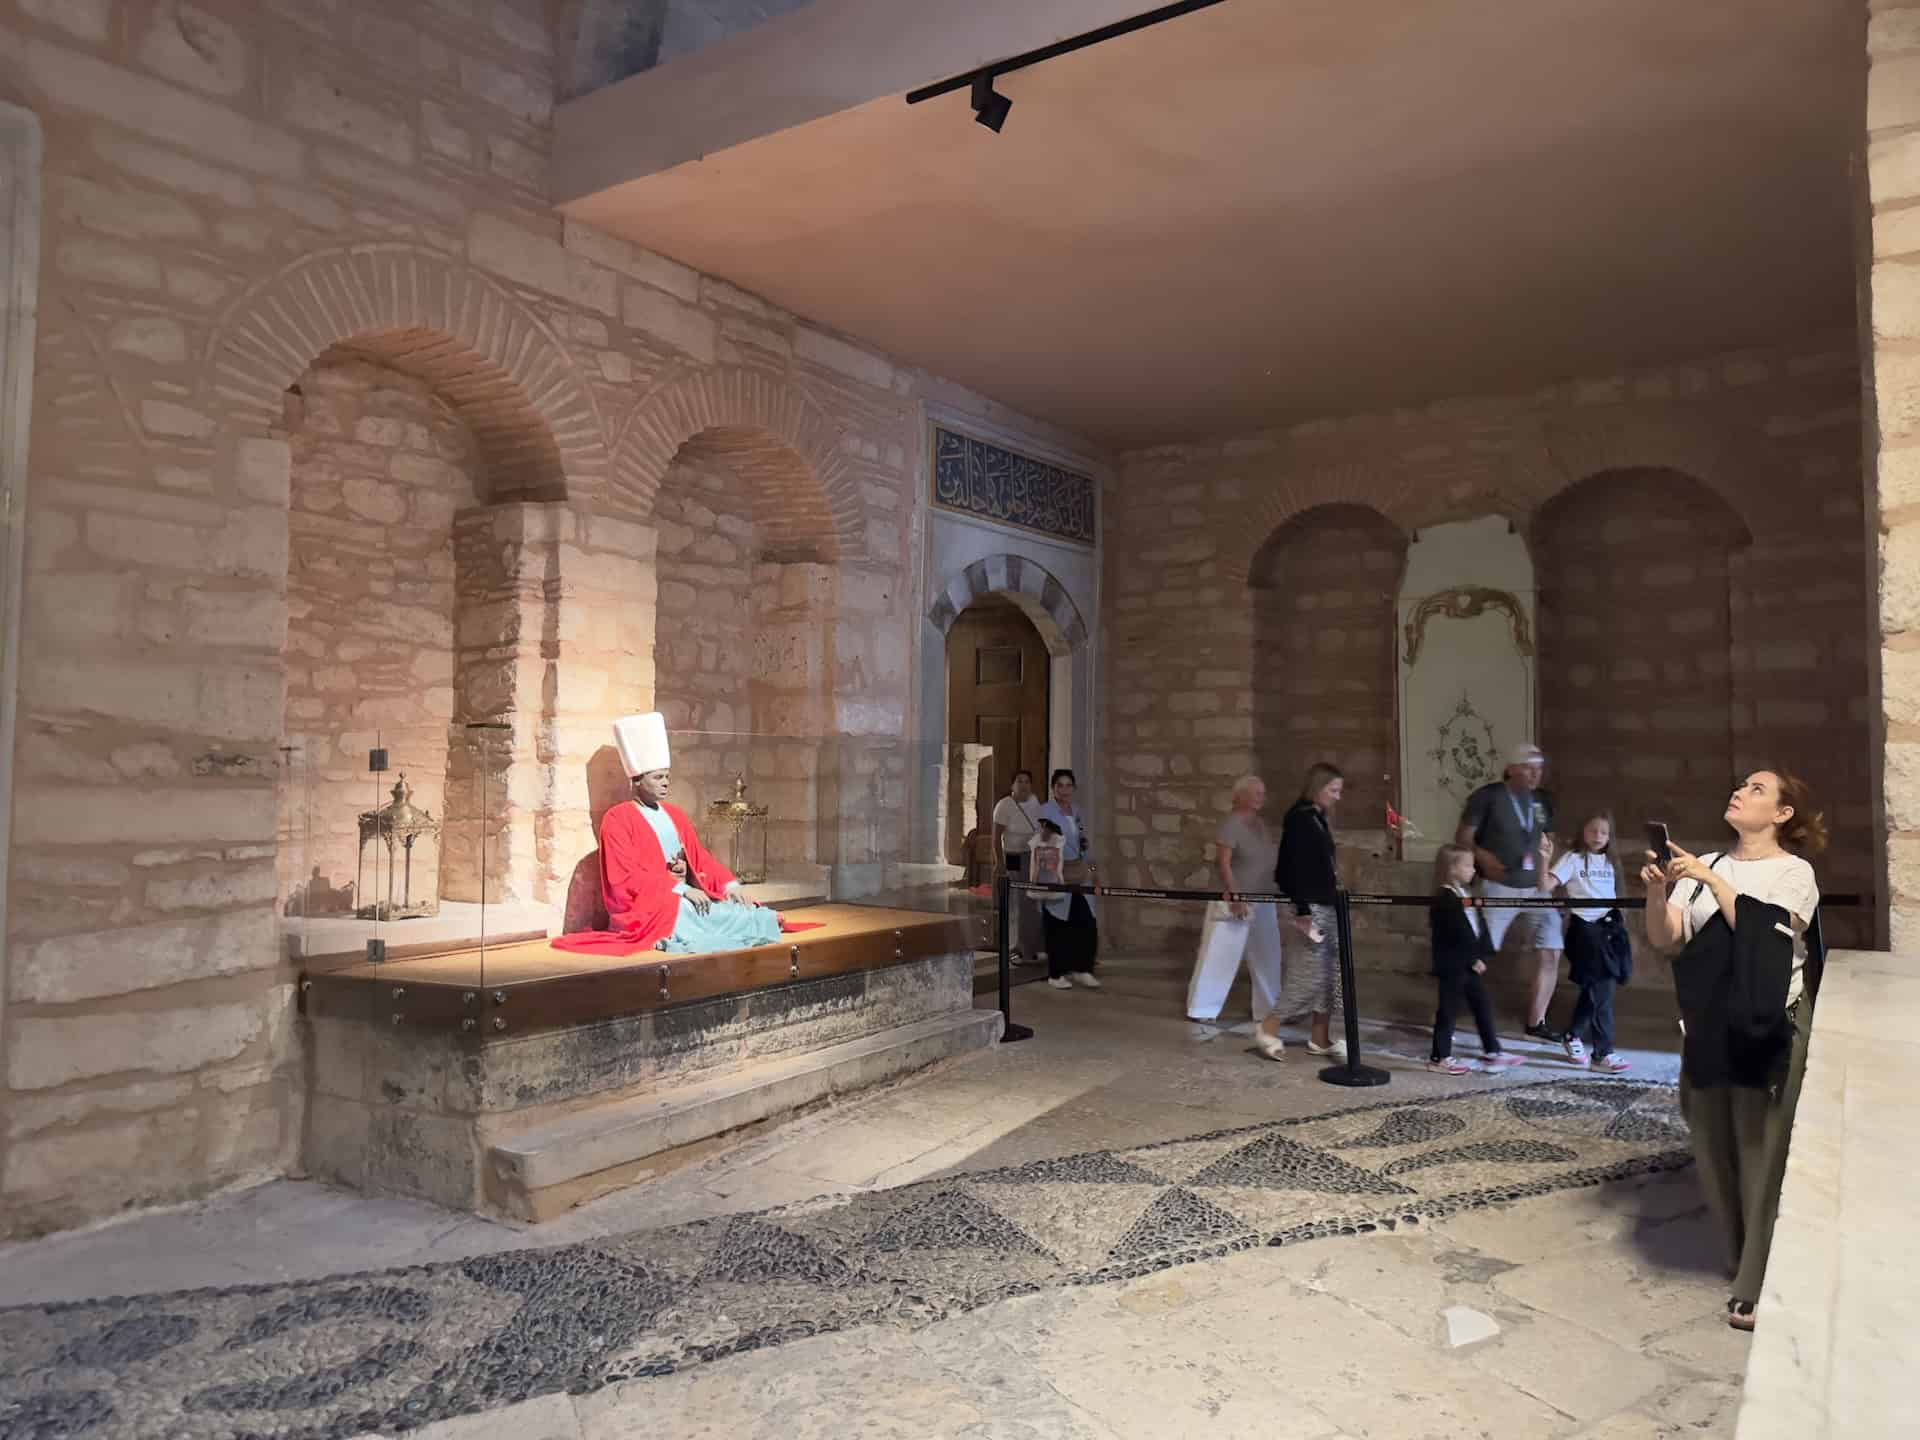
x=391, y=1351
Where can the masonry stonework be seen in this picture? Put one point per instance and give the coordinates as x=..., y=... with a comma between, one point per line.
x=1252, y=582
x=352, y=195
x=1890, y=283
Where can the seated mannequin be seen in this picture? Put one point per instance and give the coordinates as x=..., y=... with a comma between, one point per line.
x=663, y=889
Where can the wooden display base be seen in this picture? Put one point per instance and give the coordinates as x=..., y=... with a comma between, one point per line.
x=530, y=985
x=528, y=1079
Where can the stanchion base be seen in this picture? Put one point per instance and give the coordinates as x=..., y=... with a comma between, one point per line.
x=1012, y=1032
x=1354, y=1076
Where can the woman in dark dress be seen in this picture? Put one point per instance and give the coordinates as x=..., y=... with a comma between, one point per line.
x=1306, y=874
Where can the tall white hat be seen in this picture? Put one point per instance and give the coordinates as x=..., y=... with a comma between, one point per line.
x=643, y=742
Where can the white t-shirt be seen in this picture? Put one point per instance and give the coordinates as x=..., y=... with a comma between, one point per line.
x=1783, y=880
x=1017, y=818
x=1586, y=877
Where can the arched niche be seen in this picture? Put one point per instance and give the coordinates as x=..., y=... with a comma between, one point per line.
x=1643, y=574
x=1323, y=587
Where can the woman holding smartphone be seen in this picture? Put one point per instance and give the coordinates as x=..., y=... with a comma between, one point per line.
x=1742, y=916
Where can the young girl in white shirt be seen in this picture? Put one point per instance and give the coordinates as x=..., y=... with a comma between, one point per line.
x=1599, y=953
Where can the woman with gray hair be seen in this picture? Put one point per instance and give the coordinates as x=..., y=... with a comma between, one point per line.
x=1244, y=853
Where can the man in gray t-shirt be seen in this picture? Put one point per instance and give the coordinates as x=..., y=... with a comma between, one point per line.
x=1505, y=825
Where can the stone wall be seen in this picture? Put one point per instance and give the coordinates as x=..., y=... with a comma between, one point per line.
x=1696, y=622
x=1323, y=683
x=1637, y=574
x=1890, y=279
x=380, y=469
x=232, y=191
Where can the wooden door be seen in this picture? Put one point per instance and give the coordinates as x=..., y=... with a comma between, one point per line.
x=997, y=671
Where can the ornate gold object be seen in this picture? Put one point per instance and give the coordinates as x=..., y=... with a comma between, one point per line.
x=397, y=828
x=746, y=826
x=1465, y=603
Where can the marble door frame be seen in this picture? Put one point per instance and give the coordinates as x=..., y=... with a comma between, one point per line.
x=20, y=162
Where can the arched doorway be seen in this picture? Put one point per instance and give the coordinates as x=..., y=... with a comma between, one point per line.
x=998, y=709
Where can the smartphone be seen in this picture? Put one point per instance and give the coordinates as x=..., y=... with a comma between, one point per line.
x=1660, y=843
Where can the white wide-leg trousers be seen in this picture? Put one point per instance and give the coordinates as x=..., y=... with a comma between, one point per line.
x=1224, y=941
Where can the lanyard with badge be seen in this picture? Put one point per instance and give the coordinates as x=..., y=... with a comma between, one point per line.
x=1529, y=817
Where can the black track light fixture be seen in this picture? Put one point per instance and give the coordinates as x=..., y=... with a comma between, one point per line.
x=990, y=107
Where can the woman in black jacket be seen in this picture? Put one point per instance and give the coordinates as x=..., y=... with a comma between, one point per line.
x=1305, y=873
x=1747, y=1006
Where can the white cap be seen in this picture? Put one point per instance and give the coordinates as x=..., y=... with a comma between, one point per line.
x=1526, y=753
x=643, y=742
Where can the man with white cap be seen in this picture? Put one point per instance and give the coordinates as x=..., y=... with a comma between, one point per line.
x=1509, y=827
x=663, y=889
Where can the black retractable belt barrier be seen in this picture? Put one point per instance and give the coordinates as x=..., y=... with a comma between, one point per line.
x=1352, y=1073
x=1003, y=899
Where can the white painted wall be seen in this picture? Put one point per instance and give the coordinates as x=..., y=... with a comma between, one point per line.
x=1468, y=695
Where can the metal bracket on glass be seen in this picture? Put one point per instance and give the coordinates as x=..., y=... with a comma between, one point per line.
x=377, y=761
x=376, y=952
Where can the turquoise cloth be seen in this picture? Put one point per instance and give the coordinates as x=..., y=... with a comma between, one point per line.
x=725, y=926
x=662, y=826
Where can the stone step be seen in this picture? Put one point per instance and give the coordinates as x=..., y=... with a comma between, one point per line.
x=544, y=1169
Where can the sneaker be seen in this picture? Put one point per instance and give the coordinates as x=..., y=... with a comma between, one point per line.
x=1611, y=1064
x=1085, y=979
x=1576, y=1052
x=1546, y=1032
x=1271, y=1046
x=1336, y=1051
x=1494, y=1064
x=1452, y=1065
x=1060, y=982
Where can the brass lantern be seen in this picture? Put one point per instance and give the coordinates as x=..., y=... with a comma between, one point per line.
x=746, y=829
x=396, y=829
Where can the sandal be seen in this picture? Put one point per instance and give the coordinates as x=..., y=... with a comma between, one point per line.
x=1740, y=1314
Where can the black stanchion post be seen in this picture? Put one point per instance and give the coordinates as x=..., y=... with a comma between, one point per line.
x=1352, y=1074
x=1003, y=894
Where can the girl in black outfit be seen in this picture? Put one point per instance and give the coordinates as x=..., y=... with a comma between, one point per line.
x=1460, y=951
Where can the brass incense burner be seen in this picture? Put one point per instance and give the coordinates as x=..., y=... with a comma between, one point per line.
x=746, y=826
x=396, y=828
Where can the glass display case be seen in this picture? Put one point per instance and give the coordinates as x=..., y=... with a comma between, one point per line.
x=454, y=853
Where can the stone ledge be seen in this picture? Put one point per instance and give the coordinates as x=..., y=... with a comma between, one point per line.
x=1833, y=1352
x=607, y=1136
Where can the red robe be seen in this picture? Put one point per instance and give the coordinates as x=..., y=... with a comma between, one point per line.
x=637, y=888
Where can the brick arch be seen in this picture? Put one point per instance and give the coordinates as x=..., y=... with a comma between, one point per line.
x=1341, y=513
x=791, y=520
x=1027, y=583
x=1737, y=467
x=730, y=401
x=540, y=431
x=1254, y=530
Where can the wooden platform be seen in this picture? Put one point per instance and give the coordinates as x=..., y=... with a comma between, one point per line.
x=530, y=985
x=560, y=1076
